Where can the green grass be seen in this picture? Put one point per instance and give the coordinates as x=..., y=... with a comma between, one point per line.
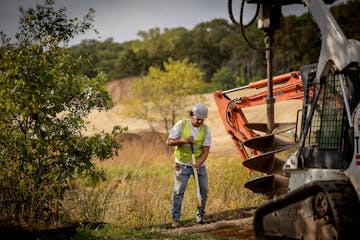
x=136, y=199
x=138, y=194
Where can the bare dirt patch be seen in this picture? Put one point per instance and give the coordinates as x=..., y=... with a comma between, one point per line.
x=233, y=224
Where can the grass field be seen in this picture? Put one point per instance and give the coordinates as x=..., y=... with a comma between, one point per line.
x=138, y=192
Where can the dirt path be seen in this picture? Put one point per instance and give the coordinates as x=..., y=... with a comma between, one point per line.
x=234, y=224
x=234, y=229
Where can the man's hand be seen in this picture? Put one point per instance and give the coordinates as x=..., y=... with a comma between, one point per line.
x=196, y=165
x=189, y=139
x=179, y=141
x=203, y=157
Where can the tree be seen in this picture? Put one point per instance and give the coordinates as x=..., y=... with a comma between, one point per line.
x=155, y=47
x=163, y=96
x=131, y=64
x=43, y=100
x=223, y=79
x=100, y=56
x=209, y=48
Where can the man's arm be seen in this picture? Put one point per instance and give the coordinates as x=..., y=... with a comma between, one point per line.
x=203, y=157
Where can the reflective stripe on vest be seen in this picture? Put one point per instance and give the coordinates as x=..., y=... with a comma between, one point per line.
x=183, y=152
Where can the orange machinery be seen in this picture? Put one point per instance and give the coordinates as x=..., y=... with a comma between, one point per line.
x=286, y=86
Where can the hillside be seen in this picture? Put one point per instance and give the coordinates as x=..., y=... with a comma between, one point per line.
x=221, y=142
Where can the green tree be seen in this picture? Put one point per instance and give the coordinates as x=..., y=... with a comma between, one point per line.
x=43, y=102
x=162, y=96
x=223, y=79
x=209, y=49
x=130, y=64
x=155, y=47
x=99, y=56
x=154, y=44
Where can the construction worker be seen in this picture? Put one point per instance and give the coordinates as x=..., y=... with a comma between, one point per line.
x=182, y=135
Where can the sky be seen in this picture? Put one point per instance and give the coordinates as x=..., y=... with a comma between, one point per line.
x=123, y=19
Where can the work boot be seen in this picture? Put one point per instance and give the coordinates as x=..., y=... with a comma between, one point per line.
x=175, y=224
x=201, y=220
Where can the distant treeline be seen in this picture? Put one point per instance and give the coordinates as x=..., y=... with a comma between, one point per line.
x=217, y=45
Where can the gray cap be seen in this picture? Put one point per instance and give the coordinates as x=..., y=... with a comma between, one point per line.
x=200, y=111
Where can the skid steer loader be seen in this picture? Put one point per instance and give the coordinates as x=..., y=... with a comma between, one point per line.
x=314, y=192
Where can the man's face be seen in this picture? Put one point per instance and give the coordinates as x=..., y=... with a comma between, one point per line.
x=196, y=122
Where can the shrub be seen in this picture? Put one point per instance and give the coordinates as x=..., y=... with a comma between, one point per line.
x=43, y=101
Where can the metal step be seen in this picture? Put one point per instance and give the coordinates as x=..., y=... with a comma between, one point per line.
x=266, y=162
x=269, y=185
x=269, y=143
x=278, y=127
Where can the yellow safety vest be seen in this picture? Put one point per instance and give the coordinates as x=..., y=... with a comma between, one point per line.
x=183, y=152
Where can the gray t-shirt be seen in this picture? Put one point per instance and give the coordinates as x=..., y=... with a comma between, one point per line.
x=176, y=131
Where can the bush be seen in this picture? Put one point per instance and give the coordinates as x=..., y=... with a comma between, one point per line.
x=223, y=79
x=43, y=101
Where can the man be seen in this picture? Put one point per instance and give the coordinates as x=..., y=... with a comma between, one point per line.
x=185, y=132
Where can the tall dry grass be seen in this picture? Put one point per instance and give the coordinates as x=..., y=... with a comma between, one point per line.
x=139, y=186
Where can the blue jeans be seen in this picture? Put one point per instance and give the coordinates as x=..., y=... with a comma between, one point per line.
x=182, y=175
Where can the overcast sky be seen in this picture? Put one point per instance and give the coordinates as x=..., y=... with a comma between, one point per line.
x=123, y=19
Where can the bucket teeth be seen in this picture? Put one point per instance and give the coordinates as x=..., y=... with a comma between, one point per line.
x=269, y=185
x=265, y=162
x=278, y=128
x=269, y=143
